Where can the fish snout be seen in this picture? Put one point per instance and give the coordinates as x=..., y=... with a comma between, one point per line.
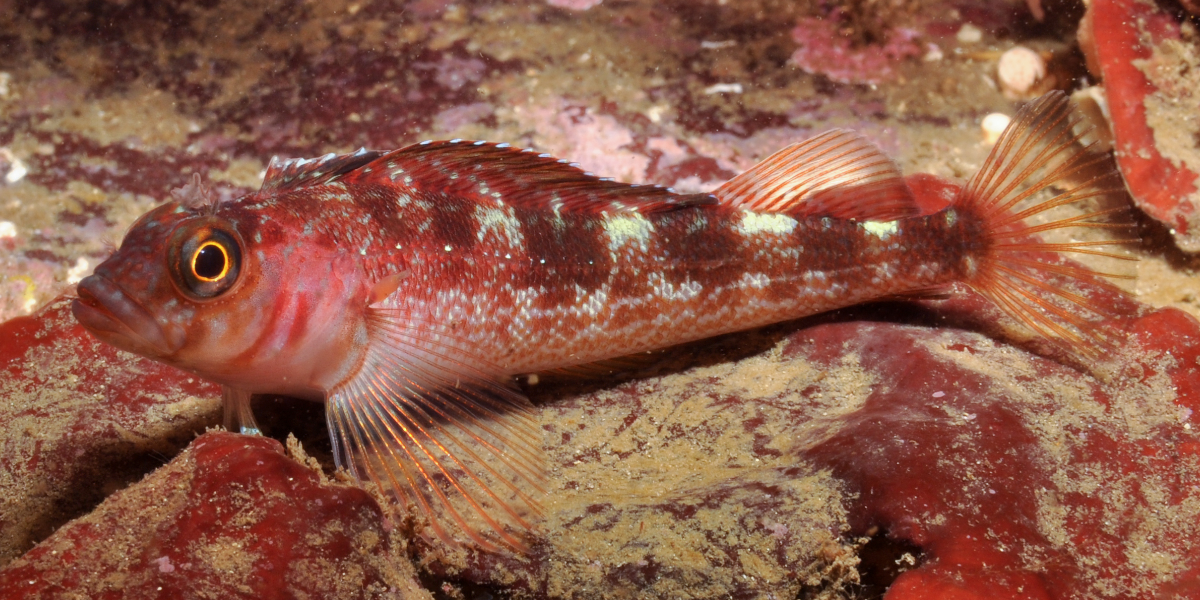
x=104, y=309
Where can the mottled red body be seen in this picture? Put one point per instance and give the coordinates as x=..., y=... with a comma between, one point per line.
x=532, y=290
x=404, y=288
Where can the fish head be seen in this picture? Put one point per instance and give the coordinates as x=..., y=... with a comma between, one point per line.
x=235, y=297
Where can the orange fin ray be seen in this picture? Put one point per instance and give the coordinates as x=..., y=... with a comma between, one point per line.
x=433, y=429
x=835, y=174
x=483, y=171
x=1083, y=221
x=1008, y=166
x=1073, y=247
x=1047, y=291
x=1028, y=277
x=1045, y=318
x=1066, y=200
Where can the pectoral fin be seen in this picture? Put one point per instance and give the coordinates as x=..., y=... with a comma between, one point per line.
x=434, y=429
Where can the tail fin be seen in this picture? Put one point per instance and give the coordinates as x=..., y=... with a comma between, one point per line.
x=1030, y=279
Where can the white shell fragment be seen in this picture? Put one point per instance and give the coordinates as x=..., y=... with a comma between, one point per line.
x=993, y=125
x=969, y=34
x=724, y=88
x=1019, y=70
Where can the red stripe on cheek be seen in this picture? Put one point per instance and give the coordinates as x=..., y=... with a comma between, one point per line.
x=251, y=353
x=269, y=335
x=299, y=322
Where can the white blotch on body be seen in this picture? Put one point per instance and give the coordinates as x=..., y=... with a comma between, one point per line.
x=881, y=229
x=623, y=228
x=667, y=290
x=503, y=221
x=591, y=303
x=754, y=223
x=757, y=281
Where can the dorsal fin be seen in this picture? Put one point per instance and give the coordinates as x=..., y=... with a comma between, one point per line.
x=491, y=172
x=835, y=174
x=291, y=173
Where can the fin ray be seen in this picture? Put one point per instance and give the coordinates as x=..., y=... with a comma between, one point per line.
x=1029, y=278
x=835, y=174
x=489, y=172
x=436, y=432
x=238, y=412
x=292, y=173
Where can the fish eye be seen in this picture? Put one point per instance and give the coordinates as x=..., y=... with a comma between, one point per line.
x=210, y=262
x=205, y=261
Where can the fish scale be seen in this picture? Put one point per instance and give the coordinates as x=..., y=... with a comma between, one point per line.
x=538, y=312
x=405, y=289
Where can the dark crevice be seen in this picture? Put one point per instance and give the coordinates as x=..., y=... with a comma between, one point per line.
x=883, y=560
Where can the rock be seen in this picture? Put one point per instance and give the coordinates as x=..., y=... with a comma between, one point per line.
x=1151, y=72
x=1017, y=475
x=79, y=420
x=1002, y=470
x=230, y=517
x=823, y=50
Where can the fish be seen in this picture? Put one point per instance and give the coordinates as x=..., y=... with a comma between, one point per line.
x=406, y=289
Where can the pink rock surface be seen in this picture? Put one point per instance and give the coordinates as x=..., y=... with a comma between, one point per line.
x=1016, y=476
x=824, y=50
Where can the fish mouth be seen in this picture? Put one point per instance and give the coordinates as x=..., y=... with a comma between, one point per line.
x=105, y=310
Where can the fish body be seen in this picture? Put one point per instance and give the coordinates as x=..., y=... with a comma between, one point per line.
x=529, y=289
x=405, y=288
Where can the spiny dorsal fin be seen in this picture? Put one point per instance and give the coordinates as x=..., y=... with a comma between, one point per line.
x=291, y=173
x=491, y=172
x=835, y=174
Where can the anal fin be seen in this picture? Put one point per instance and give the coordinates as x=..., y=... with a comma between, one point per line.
x=608, y=368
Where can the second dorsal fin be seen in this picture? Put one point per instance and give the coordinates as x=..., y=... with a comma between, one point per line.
x=835, y=174
x=491, y=172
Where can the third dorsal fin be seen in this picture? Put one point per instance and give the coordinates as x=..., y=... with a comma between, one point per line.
x=835, y=174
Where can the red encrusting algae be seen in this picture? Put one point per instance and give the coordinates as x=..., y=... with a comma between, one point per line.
x=1126, y=34
x=79, y=418
x=231, y=516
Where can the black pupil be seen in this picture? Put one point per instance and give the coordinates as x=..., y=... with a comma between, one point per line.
x=210, y=261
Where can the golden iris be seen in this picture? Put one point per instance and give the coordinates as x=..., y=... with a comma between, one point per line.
x=205, y=260
x=210, y=262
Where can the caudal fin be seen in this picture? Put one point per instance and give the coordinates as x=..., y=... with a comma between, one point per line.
x=1027, y=276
